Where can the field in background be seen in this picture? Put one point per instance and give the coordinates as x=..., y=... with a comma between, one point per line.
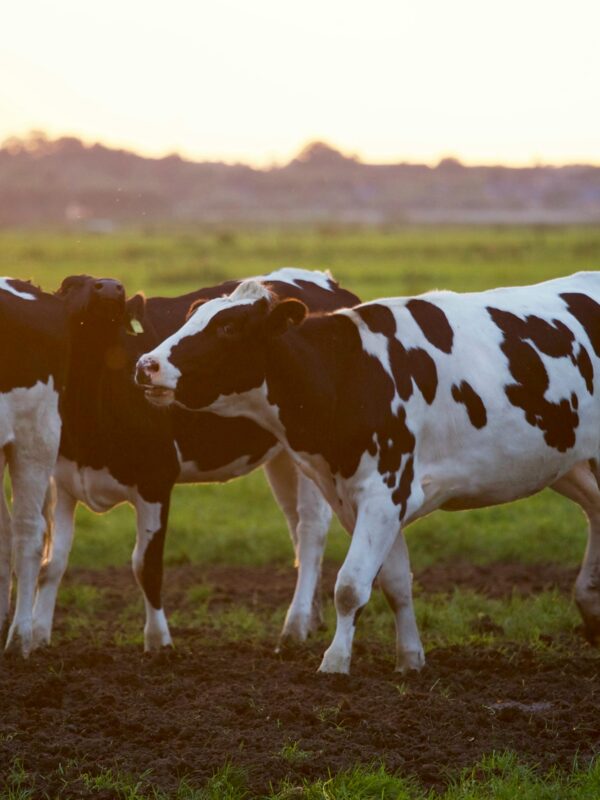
x=237, y=524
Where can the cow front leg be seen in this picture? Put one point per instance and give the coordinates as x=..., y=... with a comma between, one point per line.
x=376, y=529
x=581, y=485
x=147, y=563
x=53, y=570
x=395, y=579
x=29, y=486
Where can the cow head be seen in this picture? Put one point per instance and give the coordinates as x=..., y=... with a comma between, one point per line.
x=220, y=351
x=96, y=304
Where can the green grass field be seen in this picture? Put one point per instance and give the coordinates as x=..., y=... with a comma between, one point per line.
x=238, y=523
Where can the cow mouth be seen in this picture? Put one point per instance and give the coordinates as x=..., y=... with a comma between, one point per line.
x=159, y=395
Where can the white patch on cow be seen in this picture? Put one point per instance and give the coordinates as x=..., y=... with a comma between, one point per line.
x=294, y=274
x=6, y=287
x=97, y=488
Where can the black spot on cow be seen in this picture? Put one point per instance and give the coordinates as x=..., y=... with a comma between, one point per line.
x=465, y=394
x=433, y=322
x=558, y=421
x=341, y=406
x=402, y=492
x=587, y=312
x=586, y=370
x=414, y=364
x=378, y=319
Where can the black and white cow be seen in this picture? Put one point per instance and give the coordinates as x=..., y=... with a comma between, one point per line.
x=34, y=367
x=117, y=448
x=402, y=406
x=33, y=350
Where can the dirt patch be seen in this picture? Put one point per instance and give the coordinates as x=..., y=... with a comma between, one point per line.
x=272, y=586
x=90, y=705
x=84, y=707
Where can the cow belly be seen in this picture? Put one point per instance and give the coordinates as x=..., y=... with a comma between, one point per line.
x=191, y=473
x=461, y=484
x=95, y=487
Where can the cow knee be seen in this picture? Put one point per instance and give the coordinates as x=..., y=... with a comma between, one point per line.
x=349, y=600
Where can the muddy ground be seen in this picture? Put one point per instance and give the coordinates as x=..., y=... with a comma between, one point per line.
x=90, y=705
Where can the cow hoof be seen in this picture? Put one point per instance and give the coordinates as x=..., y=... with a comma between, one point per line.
x=18, y=644
x=410, y=661
x=40, y=637
x=335, y=664
x=295, y=631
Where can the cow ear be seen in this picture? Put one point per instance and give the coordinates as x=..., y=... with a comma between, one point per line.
x=284, y=315
x=136, y=307
x=195, y=305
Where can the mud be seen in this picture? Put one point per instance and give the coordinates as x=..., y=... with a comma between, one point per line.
x=90, y=705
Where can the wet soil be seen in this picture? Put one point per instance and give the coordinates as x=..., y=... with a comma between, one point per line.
x=89, y=705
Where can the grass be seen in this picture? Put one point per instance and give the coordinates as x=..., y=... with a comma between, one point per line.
x=499, y=776
x=238, y=522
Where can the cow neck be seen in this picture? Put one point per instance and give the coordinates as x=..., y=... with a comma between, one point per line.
x=85, y=407
x=302, y=370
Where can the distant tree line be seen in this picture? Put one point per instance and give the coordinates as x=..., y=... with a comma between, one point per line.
x=66, y=182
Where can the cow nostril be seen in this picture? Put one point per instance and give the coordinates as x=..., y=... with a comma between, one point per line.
x=152, y=366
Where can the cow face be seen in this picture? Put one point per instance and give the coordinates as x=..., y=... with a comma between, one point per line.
x=220, y=351
x=94, y=304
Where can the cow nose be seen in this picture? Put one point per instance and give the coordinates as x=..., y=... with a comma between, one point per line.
x=108, y=289
x=145, y=369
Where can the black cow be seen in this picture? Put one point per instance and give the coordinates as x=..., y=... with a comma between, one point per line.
x=117, y=448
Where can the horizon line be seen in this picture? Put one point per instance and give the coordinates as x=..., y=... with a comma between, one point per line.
x=272, y=163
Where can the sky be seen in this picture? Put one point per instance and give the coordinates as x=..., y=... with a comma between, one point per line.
x=514, y=82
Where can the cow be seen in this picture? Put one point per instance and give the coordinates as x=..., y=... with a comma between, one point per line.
x=117, y=448
x=402, y=406
x=33, y=354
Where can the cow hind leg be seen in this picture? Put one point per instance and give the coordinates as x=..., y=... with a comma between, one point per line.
x=147, y=563
x=54, y=567
x=580, y=484
x=308, y=516
x=375, y=532
x=395, y=579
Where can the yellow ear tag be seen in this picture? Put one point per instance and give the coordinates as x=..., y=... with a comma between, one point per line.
x=136, y=326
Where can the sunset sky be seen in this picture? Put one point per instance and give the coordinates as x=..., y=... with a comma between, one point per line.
x=516, y=81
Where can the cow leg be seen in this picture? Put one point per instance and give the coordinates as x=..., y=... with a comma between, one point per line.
x=376, y=529
x=29, y=486
x=581, y=485
x=304, y=615
x=147, y=563
x=308, y=516
x=395, y=579
x=5, y=554
x=53, y=570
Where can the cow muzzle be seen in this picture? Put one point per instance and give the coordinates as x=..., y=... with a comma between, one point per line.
x=148, y=377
